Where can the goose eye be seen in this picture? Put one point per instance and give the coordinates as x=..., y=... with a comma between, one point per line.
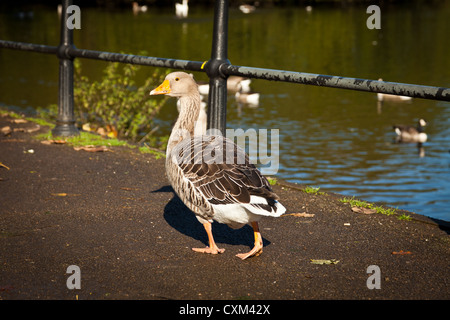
x=177, y=79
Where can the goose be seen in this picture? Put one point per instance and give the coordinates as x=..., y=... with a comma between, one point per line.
x=203, y=88
x=411, y=134
x=251, y=98
x=137, y=8
x=391, y=97
x=247, y=8
x=234, y=84
x=233, y=191
x=201, y=122
x=181, y=9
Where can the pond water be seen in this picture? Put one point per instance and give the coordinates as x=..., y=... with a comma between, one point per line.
x=338, y=140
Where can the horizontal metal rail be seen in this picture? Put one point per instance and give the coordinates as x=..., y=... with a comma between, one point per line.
x=106, y=56
x=23, y=46
x=404, y=89
x=136, y=59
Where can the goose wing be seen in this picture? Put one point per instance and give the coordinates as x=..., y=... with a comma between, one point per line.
x=222, y=173
x=405, y=129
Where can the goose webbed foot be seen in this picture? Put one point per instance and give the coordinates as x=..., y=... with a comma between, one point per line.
x=212, y=248
x=258, y=248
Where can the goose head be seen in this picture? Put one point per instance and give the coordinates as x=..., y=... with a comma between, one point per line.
x=422, y=123
x=177, y=84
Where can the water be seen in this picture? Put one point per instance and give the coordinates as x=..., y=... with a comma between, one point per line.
x=338, y=140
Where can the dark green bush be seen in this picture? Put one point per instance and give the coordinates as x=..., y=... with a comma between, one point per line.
x=116, y=103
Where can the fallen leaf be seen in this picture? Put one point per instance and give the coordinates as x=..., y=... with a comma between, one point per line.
x=54, y=141
x=63, y=194
x=36, y=128
x=109, y=131
x=86, y=127
x=101, y=131
x=92, y=148
x=14, y=140
x=401, y=252
x=302, y=214
x=19, y=121
x=6, y=130
x=128, y=189
x=363, y=210
x=324, y=261
x=27, y=130
x=6, y=288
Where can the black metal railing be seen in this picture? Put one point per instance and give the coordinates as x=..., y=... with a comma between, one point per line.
x=218, y=68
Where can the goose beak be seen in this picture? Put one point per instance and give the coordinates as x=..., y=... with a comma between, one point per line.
x=164, y=88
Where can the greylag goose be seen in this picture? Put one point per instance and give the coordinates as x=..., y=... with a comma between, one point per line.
x=202, y=120
x=391, y=97
x=233, y=191
x=411, y=134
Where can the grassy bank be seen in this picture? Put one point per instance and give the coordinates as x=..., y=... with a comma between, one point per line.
x=85, y=139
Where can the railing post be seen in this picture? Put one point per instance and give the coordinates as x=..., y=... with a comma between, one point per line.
x=65, y=123
x=217, y=99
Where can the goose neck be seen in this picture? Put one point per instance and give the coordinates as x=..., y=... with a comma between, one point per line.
x=185, y=124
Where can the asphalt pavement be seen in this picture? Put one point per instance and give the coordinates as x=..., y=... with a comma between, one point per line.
x=79, y=225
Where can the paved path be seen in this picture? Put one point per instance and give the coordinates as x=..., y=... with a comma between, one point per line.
x=114, y=216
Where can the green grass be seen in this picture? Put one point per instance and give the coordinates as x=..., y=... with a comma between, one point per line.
x=312, y=190
x=14, y=115
x=364, y=204
x=157, y=153
x=86, y=139
x=92, y=139
x=272, y=181
x=405, y=217
x=385, y=211
x=10, y=113
x=356, y=203
x=41, y=122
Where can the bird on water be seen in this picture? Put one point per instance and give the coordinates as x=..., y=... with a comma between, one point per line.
x=232, y=191
x=410, y=133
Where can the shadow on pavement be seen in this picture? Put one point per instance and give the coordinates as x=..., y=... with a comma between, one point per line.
x=179, y=217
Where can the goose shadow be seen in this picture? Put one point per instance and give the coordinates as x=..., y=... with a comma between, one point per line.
x=182, y=219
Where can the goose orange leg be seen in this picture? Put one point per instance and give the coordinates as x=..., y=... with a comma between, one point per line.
x=213, y=248
x=258, y=248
